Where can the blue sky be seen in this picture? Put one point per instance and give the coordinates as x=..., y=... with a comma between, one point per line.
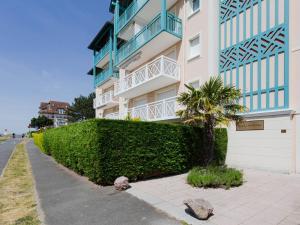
x=44, y=55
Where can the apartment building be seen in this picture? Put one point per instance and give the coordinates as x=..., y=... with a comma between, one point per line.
x=143, y=58
x=55, y=111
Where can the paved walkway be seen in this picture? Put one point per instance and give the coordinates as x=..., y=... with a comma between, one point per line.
x=265, y=199
x=6, y=148
x=67, y=199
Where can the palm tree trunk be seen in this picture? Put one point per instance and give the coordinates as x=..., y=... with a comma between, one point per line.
x=210, y=140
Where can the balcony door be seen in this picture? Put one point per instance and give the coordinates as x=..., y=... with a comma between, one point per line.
x=139, y=102
x=166, y=94
x=172, y=54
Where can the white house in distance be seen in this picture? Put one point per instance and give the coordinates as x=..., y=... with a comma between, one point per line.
x=55, y=111
x=143, y=58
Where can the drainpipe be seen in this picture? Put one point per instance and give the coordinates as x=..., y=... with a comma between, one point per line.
x=163, y=15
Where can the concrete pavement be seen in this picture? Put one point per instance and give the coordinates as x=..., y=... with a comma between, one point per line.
x=68, y=199
x=6, y=148
x=264, y=199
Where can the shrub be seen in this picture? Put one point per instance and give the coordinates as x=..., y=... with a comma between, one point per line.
x=215, y=177
x=103, y=150
x=38, y=139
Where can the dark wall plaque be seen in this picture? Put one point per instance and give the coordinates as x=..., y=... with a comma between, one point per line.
x=250, y=125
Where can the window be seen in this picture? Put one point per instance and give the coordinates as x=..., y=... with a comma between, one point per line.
x=194, y=47
x=195, y=84
x=194, y=6
x=61, y=111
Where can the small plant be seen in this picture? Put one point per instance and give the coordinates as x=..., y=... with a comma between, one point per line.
x=130, y=118
x=215, y=177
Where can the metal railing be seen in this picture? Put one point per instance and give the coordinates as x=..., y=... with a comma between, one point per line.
x=130, y=12
x=103, y=52
x=174, y=26
x=103, y=76
x=160, y=66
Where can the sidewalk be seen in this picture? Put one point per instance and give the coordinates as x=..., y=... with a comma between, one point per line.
x=68, y=199
x=264, y=199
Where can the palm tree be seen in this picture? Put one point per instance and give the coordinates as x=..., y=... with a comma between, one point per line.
x=211, y=105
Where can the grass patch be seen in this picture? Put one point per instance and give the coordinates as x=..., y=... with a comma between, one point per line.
x=17, y=200
x=215, y=177
x=4, y=138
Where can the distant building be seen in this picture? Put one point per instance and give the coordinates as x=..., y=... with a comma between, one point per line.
x=55, y=111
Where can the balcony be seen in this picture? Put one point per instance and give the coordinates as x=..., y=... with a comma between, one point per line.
x=139, y=49
x=112, y=116
x=104, y=76
x=101, y=58
x=140, y=10
x=106, y=100
x=161, y=110
x=156, y=111
x=157, y=74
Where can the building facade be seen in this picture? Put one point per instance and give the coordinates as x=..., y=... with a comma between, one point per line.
x=143, y=58
x=55, y=111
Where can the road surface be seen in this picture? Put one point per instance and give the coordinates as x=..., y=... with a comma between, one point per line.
x=6, y=149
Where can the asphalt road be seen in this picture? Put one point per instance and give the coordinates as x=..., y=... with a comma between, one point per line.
x=6, y=148
x=68, y=199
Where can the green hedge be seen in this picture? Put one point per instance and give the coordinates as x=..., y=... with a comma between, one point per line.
x=38, y=139
x=103, y=150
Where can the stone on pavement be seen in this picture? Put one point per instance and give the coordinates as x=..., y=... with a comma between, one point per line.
x=121, y=183
x=200, y=208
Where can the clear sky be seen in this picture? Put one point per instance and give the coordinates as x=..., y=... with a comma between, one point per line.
x=44, y=55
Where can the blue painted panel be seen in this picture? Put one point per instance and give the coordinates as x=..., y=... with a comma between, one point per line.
x=251, y=48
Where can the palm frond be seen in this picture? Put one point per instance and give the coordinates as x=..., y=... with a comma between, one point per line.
x=211, y=103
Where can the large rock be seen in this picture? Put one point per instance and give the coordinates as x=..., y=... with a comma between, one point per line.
x=200, y=208
x=121, y=183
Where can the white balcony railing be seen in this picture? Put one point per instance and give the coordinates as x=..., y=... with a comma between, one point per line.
x=112, y=116
x=162, y=66
x=160, y=110
x=104, y=99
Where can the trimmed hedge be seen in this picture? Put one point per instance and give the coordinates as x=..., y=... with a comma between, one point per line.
x=103, y=150
x=38, y=139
